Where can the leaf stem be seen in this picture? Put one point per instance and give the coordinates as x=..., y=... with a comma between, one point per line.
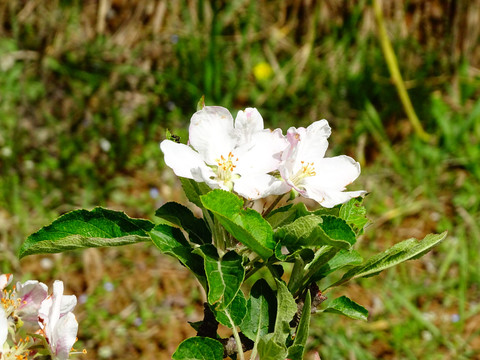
x=236, y=336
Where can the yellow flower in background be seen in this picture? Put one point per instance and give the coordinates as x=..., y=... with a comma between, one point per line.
x=262, y=71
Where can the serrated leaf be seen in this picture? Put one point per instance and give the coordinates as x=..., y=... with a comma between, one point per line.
x=313, y=230
x=261, y=311
x=354, y=213
x=235, y=312
x=344, y=306
x=181, y=216
x=403, y=251
x=296, y=351
x=224, y=275
x=80, y=229
x=341, y=259
x=193, y=190
x=247, y=226
x=286, y=214
x=199, y=348
x=170, y=241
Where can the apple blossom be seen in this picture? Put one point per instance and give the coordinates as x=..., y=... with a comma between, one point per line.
x=229, y=155
x=58, y=323
x=305, y=168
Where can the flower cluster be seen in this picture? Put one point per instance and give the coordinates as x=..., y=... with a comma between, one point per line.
x=242, y=156
x=35, y=323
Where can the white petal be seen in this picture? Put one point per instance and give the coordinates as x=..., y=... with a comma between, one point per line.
x=64, y=336
x=308, y=144
x=183, y=160
x=3, y=327
x=332, y=177
x=260, y=186
x=211, y=133
x=32, y=294
x=5, y=280
x=262, y=154
x=68, y=304
x=334, y=173
x=247, y=123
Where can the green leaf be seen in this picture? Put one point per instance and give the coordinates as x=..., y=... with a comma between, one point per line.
x=272, y=346
x=236, y=310
x=295, y=352
x=170, y=241
x=199, y=348
x=80, y=229
x=286, y=214
x=286, y=310
x=181, y=216
x=193, y=190
x=261, y=311
x=247, y=226
x=344, y=306
x=340, y=260
x=403, y=251
x=313, y=230
x=268, y=349
x=224, y=275
x=354, y=213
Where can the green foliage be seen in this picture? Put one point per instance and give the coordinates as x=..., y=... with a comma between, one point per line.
x=261, y=311
x=247, y=226
x=199, y=348
x=296, y=351
x=225, y=275
x=344, y=306
x=81, y=229
x=403, y=251
x=179, y=215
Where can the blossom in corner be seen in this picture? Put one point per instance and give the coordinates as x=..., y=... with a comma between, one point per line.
x=305, y=168
x=31, y=293
x=230, y=155
x=57, y=322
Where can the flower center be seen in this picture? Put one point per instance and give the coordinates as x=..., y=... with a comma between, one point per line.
x=306, y=170
x=225, y=168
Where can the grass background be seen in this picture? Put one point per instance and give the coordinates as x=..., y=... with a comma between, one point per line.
x=87, y=89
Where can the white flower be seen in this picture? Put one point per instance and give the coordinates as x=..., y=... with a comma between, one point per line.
x=31, y=293
x=5, y=280
x=58, y=323
x=229, y=155
x=305, y=168
x=3, y=328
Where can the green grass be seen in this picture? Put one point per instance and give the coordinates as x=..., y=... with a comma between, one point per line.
x=81, y=116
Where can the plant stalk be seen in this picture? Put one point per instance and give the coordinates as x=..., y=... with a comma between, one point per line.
x=393, y=68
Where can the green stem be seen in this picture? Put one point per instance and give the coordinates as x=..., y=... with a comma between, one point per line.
x=236, y=336
x=392, y=64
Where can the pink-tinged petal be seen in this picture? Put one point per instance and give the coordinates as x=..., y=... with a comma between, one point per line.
x=5, y=280
x=262, y=154
x=247, y=123
x=308, y=144
x=183, y=159
x=32, y=293
x=260, y=186
x=3, y=327
x=211, y=133
x=64, y=336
